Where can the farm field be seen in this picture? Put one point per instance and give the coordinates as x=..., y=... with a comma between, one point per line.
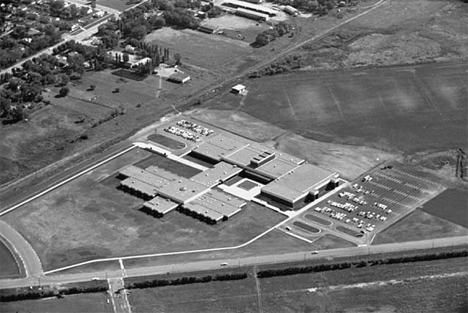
x=8, y=266
x=228, y=296
x=92, y=302
x=433, y=286
x=403, y=109
x=450, y=205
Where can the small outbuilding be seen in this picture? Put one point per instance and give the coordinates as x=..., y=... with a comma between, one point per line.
x=179, y=78
x=239, y=89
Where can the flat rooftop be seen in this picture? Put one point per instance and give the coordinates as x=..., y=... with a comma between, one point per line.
x=182, y=190
x=217, y=174
x=298, y=181
x=139, y=186
x=161, y=205
x=219, y=146
x=216, y=205
x=276, y=168
x=227, y=198
x=144, y=176
x=251, y=6
x=199, y=209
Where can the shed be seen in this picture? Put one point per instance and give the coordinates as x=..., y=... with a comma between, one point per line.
x=179, y=78
x=239, y=89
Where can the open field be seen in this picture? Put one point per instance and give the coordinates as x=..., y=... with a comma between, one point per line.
x=404, y=109
x=450, y=205
x=120, y=5
x=348, y=160
x=191, y=45
x=92, y=302
x=9, y=267
x=419, y=226
x=405, y=287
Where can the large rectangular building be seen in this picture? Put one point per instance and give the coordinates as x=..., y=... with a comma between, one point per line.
x=221, y=172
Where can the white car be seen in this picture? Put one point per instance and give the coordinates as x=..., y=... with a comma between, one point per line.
x=224, y=264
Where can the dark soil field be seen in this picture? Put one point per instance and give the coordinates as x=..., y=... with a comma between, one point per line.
x=91, y=302
x=450, y=205
x=404, y=109
x=419, y=225
x=8, y=266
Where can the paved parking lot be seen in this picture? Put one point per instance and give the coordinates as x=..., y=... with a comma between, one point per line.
x=373, y=202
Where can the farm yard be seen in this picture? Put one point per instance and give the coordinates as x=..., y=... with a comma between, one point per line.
x=401, y=109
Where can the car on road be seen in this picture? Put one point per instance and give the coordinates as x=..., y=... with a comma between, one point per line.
x=314, y=252
x=224, y=264
x=95, y=278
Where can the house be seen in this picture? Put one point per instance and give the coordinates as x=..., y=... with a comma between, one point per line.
x=239, y=89
x=179, y=78
x=291, y=10
x=129, y=49
x=98, y=14
x=205, y=29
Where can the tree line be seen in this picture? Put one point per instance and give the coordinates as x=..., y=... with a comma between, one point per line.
x=360, y=263
x=28, y=294
x=184, y=281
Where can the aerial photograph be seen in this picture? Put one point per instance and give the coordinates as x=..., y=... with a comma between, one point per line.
x=224, y=156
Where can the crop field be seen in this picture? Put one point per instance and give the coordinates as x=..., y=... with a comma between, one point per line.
x=9, y=268
x=228, y=296
x=419, y=225
x=91, y=302
x=450, y=205
x=434, y=286
x=405, y=109
x=388, y=288
x=191, y=45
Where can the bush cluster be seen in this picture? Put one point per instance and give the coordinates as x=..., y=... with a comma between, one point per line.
x=26, y=294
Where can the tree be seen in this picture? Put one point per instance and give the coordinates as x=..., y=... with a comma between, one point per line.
x=177, y=59
x=92, y=87
x=64, y=91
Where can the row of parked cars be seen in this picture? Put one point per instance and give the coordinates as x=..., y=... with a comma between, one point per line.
x=182, y=133
x=372, y=215
x=344, y=206
x=331, y=213
x=195, y=127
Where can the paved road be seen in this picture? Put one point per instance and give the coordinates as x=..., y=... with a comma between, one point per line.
x=255, y=260
x=31, y=262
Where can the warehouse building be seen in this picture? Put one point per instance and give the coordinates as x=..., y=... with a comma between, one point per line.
x=250, y=6
x=221, y=172
x=159, y=206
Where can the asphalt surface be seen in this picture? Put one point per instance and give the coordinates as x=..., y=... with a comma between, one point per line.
x=233, y=263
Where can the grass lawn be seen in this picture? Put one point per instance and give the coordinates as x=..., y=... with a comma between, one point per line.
x=419, y=226
x=450, y=205
x=191, y=45
x=92, y=302
x=120, y=5
x=9, y=268
x=228, y=296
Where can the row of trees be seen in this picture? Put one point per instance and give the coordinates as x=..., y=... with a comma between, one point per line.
x=361, y=263
x=184, y=281
x=27, y=294
x=282, y=66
